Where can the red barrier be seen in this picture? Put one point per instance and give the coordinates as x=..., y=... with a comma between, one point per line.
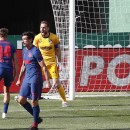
x=103, y=70
x=96, y=70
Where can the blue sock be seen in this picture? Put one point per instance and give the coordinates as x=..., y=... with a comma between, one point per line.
x=36, y=111
x=5, y=107
x=28, y=107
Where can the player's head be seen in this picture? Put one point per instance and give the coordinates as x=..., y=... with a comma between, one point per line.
x=27, y=38
x=44, y=28
x=3, y=32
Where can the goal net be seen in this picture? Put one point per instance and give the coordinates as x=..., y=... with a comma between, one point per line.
x=102, y=54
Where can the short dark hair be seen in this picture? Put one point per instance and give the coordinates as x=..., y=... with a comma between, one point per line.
x=29, y=34
x=45, y=22
x=4, y=32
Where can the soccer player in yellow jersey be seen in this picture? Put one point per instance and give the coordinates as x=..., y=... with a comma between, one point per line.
x=49, y=45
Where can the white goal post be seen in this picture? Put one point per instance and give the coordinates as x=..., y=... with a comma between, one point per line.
x=72, y=50
x=65, y=29
x=94, y=37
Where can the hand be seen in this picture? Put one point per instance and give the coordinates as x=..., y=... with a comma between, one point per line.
x=59, y=65
x=48, y=85
x=18, y=83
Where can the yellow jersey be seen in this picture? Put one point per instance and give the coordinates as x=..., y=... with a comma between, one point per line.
x=47, y=47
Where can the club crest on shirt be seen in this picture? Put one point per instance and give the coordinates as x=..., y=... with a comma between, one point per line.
x=50, y=41
x=29, y=54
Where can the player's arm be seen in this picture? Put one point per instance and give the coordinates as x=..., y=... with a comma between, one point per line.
x=58, y=55
x=22, y=71
x=40, y=60
x=46, y=73
x=58, y=52
x=57, y=48
x=15, y=71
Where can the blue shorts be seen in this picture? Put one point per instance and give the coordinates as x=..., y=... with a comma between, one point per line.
x=31, y=90
x=7, y=75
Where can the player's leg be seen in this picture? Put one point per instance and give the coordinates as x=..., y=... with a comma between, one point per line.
x=61, y=91
x=23, y=95
x=55, y=76
x=36, y=94
x=36, y=111
x=25, y=92
x=6, y=101
x=8, y=77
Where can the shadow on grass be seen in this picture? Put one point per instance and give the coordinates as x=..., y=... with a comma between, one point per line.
x=38, y=129
x=63, y=129
x=105, y=129
x=100, y=105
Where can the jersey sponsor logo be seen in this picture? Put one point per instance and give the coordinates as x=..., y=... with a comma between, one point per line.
x=46, y=48
x=27, y=61
x=50, y=41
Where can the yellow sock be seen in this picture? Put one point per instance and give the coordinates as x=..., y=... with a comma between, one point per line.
x=62, y=93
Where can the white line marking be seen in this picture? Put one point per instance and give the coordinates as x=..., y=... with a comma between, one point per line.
x=93, y=109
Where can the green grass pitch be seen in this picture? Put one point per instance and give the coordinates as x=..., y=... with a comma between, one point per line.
x=90, y=113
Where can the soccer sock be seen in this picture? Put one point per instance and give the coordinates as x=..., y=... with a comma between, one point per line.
x=28, y=107
x=62, y=93
x=5, y=107
x=36, y=111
